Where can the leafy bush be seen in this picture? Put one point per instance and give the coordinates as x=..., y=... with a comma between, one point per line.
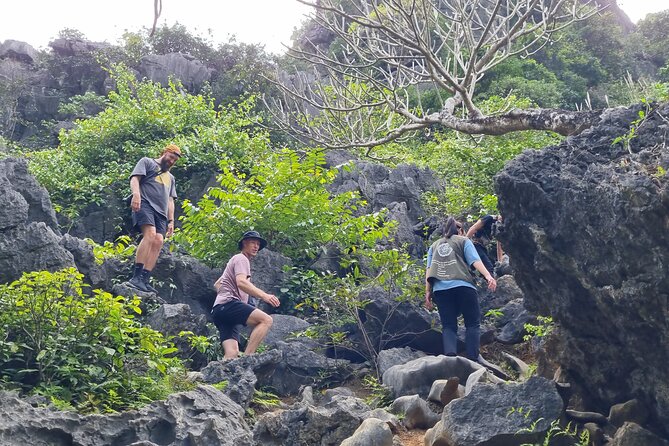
x=284, y=198
x=83, y=350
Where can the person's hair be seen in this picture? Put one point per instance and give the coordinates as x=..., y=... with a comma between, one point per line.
x=451, y=227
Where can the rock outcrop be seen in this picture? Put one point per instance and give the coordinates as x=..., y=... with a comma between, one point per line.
x=586, y=228
x=201, y=416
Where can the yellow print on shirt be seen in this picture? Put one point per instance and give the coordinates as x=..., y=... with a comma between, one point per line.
x=165, y=179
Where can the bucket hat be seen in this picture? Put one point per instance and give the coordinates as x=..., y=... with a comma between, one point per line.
x=252, y=234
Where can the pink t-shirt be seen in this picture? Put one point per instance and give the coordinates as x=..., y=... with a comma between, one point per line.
x=227, y=283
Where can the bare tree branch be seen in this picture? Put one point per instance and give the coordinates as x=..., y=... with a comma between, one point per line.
x=366, y=89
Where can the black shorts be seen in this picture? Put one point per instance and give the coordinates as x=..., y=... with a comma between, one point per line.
x=148, y=216
x=229, y=317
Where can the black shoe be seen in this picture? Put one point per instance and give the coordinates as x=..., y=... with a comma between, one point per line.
x=137, y=283
x=149, y=287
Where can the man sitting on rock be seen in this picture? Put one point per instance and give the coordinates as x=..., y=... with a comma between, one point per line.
x=231, y=308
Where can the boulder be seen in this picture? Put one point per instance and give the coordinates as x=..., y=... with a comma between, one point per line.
x=326, y=425
x=372, y=431
x=417, y=376
x=396, y=356
x=512, y=322
x=631, y=434
x=492, y=414
x=632, y=411
x=414, y=411
x=20, y=51
x=390, y=322
x=299, y=366
x=201, y=416
x=31, y=247
x=183, y=67
x=585, y=225
x=241, y=374
x=14, y=176
x=172, y=319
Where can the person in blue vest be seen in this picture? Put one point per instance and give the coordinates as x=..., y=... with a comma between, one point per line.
x=449, y=284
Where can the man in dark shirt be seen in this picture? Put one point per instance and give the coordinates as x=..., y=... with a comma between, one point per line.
x=153, y=194
x=481, y=234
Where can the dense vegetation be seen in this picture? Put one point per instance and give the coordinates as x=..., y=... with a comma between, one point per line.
x=85, y=349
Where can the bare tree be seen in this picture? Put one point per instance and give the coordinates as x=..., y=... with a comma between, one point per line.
x=367, y=91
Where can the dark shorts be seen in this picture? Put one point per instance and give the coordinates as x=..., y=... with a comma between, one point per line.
x=229, y=317
x=148, y=216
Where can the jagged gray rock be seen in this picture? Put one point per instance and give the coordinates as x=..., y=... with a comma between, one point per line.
x=372, y=431
x=512, y=322
x=414, y=411
x=396, y=356
x=172, y=319
x=499, y=414
x=417, y=376
x=631, y=434
x=391, y=323
x=201, y=416
x=326, y=425
x=161, y=67
x=242, y=374
x=585, y=225
x=17, y=50
x=299, y=366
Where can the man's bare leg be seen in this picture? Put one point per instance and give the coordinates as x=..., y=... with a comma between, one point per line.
x=262, y=322
x=230, y=349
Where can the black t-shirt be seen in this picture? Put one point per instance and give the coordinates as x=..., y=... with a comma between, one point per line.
x=485, y=233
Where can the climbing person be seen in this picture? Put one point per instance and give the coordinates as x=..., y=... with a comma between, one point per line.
x=449, y=284
x=231, y=308
x=482, y=233
x=152, y=204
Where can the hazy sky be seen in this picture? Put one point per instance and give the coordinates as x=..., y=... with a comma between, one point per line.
x=270, y=22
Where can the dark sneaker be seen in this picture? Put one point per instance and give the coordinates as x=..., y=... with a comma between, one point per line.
x=137, y=283
x=149, y=287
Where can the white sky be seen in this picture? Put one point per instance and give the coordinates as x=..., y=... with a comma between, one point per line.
x=270, y=22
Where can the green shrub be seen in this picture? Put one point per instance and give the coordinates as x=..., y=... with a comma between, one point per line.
x=283, y=197
x=83, y=350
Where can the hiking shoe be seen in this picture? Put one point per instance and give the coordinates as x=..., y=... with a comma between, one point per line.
x=149, y=288
x=137, y=283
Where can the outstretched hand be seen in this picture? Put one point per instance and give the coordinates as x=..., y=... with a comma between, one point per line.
x=273, y=300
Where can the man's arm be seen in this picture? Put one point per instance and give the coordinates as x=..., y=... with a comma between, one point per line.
x=170, y=217
x=244, y=284
x=136, y=202
x=475, y=227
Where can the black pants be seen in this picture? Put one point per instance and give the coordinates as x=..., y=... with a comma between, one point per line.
x=452, y=303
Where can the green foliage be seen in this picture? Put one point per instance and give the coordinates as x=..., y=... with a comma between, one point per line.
x=573, y=437
x=265, y=399
x=494, y=313
x=95, y=159
x=83, y=105
x=544, y=328
x=634, y=126
x=284, y=198
x=379, y=395
x=82, y=350
x=123, y=249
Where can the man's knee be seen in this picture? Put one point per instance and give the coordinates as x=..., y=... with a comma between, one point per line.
x=160, y=239
x=259, y=317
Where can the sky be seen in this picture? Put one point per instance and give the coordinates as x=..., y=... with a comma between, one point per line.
x=268, y=22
